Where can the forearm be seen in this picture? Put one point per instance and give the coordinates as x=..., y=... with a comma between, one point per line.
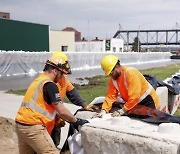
x=107, y=104
x=75, y=98
x=64, y=113
x=130, y=104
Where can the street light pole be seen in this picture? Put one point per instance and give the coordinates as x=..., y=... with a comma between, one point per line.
x=89, y=21
x=88, y=37
x=138, y=36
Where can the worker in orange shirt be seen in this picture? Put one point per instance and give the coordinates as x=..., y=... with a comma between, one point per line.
x=66, y=88
x=128, y=84
x=36, y=116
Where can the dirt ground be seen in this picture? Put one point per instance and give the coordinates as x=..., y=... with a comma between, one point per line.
x=8, y=137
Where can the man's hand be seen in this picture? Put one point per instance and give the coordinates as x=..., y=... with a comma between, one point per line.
x=91, y=107
x=59, y=122
x=79, y=122
x=118, y=113
x=99, y=115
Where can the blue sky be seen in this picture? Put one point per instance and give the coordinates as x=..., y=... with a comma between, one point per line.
x=93, y=18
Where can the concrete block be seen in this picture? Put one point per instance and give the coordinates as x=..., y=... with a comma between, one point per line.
x=122, y=135
x=173, y=103
x=163, y=97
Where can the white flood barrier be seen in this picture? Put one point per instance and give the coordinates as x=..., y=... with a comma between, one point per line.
x=20, y=63
x=122, y=135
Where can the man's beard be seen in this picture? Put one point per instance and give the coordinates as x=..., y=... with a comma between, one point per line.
x=56, y=79
x=116, y=75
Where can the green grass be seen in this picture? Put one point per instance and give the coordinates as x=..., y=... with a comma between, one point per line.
x=17, y=92
x=177, y=113
x=97, y=86
x=163, y=72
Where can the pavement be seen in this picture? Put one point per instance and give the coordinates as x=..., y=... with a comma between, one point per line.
x=10, y=104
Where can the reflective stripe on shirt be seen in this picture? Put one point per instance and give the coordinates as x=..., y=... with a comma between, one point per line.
x=32, y=104
x=146, y=93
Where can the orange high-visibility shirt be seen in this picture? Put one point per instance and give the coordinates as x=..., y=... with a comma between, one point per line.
x=132, y=86
x=64, y=85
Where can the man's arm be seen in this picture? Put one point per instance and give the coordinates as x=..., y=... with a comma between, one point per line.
x=75, y=98
x=111, y=97
x=51, y=95
x=64, y=112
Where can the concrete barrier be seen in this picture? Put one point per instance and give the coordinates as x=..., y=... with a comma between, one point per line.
x=122, y=135
x=168, y=102
x=173, y=103
x=163, y=98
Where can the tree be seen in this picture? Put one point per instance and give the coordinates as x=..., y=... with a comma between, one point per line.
x=135, y=45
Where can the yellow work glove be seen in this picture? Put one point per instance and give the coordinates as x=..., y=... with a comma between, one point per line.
x=59, y=122
x=91, y=107
x=118, y=113
x=99, y=115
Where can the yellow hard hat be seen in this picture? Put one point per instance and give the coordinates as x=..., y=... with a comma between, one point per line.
x=65, y=57
x=61, y=54
x=108, y=62
x=58, y=63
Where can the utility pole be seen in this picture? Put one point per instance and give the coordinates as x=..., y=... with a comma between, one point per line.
x=138, y=36
x=120, y=28
x=88, y=37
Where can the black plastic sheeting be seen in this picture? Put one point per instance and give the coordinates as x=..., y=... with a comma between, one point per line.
x=174, y=88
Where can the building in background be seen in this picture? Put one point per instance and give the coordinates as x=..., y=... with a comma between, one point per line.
x=4, y=15
x=61, y=41
x=97, y=45
x=25, y=36
x=77, y=33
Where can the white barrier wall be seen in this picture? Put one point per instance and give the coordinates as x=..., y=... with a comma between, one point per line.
x=16, y=63
x=122, y=135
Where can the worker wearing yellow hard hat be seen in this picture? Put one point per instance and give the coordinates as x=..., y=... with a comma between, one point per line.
x=65, y=57
x=35, y=118
x=66, y=88
x=108, y=63
x=127, y=83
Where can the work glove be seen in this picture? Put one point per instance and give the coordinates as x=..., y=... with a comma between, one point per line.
x=59, y=122
x=91, y=107
x=99, y=115
x=79, y=122
x=118, y=113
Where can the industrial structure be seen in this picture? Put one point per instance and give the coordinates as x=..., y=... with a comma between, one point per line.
x=150, y=37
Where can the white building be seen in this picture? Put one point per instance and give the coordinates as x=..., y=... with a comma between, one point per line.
x=113, y=45
x=61, y=41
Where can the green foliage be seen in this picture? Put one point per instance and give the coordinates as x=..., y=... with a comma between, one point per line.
x=135, y=45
